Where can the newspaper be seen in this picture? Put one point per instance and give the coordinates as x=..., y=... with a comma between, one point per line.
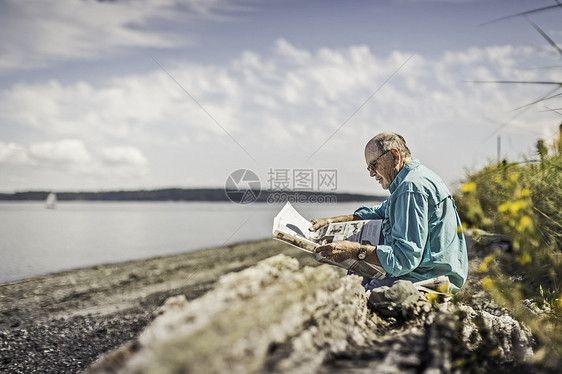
x=290, y=227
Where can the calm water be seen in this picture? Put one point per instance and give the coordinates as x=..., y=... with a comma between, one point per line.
x=36, y=241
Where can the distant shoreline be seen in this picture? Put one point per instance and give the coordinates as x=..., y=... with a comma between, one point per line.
x=184, y=194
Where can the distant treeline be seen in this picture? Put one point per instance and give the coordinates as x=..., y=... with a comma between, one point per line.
x=181, y=194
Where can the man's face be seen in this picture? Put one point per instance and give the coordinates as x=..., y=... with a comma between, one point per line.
x=384, y=171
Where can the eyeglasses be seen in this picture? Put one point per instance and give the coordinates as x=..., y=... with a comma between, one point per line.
x=373, y=164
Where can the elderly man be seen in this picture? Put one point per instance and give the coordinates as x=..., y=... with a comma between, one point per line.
x=422, y=231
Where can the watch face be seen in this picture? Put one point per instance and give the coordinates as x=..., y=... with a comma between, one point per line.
x=362, y=254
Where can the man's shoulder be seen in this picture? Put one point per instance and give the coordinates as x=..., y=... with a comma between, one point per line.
x=421, y=179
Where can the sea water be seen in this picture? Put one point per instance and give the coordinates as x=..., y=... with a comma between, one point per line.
x=37, y=241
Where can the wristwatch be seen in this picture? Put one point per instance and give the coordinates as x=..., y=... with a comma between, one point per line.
x=362, y=254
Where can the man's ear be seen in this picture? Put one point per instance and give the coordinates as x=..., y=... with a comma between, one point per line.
x=396, y=156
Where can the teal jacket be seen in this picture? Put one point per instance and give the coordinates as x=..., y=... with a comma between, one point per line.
x=422, y=230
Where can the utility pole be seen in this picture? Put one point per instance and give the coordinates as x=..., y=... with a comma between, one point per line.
x=499, y=148
x=560, y=139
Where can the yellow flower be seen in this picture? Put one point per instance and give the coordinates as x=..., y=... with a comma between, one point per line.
x=487, y=283
x=512, y=206
x=524, y=222
x=468, y=187
x=524, y=192
x=431, y=297
x=443, y=288
x=524, y=259
x=484, y=264
x=518, y=205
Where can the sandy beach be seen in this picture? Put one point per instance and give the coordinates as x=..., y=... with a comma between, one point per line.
x=62, y=322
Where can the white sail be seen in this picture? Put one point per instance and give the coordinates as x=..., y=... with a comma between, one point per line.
x=51, y=201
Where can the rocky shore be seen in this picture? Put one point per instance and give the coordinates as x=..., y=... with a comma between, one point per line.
x=61, y=323
x=275, y=310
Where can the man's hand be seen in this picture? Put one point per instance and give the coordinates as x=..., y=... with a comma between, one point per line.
x=319, y=222
x=339, y=251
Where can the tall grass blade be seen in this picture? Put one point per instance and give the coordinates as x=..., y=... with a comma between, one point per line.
x=545, y=35
x=558, y=5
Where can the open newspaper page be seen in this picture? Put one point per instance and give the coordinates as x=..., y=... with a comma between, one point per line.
x=289, y=226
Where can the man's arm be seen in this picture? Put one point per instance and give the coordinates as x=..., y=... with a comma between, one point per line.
x=319, y=222
x=376, y=212
x=342, y=250
x=409, y=234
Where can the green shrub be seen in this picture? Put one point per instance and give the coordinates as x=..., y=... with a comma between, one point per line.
x=522, y=201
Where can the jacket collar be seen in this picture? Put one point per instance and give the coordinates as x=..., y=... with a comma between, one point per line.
x=402, y=175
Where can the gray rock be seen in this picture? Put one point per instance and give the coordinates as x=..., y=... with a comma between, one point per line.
x=276, y=317
x=392, y=301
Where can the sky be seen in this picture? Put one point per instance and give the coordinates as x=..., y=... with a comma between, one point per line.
x=139, y=94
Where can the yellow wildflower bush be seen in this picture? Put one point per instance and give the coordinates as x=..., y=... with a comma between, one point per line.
x=522, y=202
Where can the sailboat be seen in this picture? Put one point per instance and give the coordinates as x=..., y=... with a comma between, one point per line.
x=51, y=202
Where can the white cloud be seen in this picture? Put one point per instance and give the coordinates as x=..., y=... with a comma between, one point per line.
x=13, y=154
x=123, y=156
x=293, y=54
x=70, y=163
x=282, y=107
x=38, y=33
x=66, y=151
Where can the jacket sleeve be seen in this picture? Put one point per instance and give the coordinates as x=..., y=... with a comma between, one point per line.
x=376, y=212
x=408, y=236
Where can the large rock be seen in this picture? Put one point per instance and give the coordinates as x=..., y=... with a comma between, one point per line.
x=277, y=317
